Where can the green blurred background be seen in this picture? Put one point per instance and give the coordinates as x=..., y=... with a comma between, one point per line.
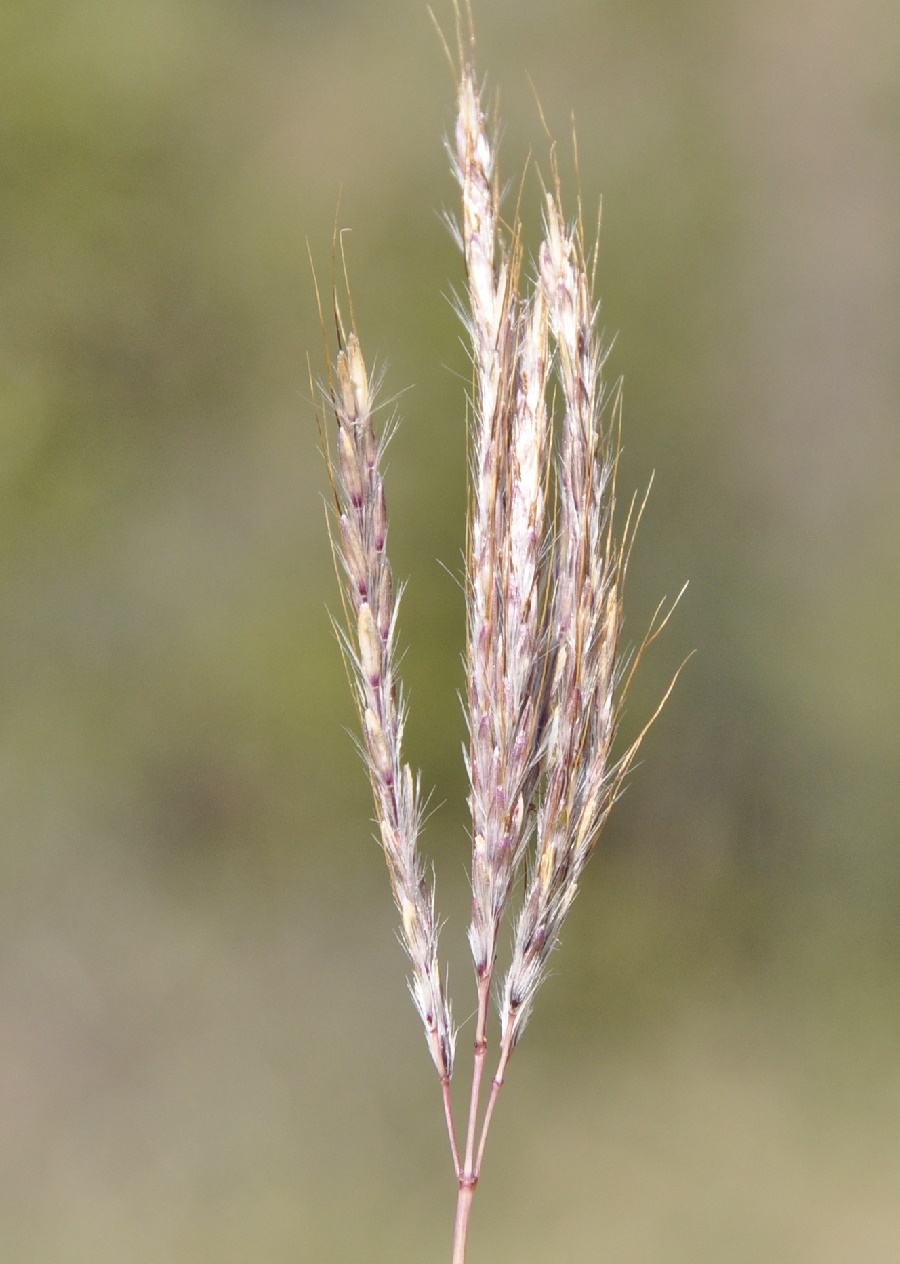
x=206, y=1052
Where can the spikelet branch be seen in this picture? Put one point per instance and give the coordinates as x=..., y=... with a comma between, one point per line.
x=359, y=531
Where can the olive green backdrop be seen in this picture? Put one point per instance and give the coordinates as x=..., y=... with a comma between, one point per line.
x=206, y=1052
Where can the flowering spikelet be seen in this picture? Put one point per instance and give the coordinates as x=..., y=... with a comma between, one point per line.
x=360, y=543
x=585, y=618
x=543, y=588
x=505, y=640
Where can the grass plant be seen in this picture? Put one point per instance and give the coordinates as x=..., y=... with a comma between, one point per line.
x=544, y=574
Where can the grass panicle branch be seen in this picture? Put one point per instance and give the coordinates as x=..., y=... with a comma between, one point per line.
x=545, y=569
x=368, y=638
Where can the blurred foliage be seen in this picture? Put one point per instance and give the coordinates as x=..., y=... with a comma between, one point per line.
x=206, y=1050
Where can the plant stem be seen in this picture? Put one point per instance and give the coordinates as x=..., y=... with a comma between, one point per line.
x=484, y=1000
x=463, y=1211
x=496, y=1085
x=467, y=1175
x=451, y=1128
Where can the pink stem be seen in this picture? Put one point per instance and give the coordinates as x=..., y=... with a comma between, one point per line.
x=484, y=994
x=463, y=1211
x=467, y=1175
x=451, y=1128
x=496, y=1086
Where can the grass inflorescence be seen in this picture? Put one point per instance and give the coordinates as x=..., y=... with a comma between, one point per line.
x=544, y=574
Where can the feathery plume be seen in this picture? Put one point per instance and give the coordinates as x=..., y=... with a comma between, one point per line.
x=544, y=576
x=368, y=639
